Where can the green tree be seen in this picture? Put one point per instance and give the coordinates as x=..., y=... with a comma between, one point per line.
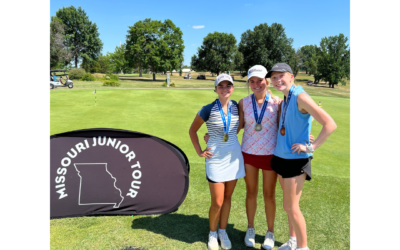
x=294, y=61
x=334, y=60
x=101, y=65
x=216, y=53
x=306, y=53
x=104, y=64
x=180, y=66
x=172, y=46
x=139, y=36
x=118, y=62
x=60, y=55
x=81, y=35
x=238, y=61
x=310, y=57
x=156, y=44
x=266, y=45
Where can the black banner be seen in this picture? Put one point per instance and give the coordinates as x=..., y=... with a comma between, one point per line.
x=115, y=172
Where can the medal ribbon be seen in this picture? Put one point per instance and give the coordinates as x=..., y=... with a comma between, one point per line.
x=221, y=111
x=286, y=104
x=263, y=108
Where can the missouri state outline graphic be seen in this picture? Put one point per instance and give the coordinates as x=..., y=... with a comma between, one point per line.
x=97, y=185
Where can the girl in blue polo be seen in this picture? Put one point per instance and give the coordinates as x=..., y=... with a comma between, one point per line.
x=293, y=152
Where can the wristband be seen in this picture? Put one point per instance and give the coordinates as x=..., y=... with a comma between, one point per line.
x=310, y=147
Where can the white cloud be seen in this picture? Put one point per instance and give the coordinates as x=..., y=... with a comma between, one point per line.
x=198, y=26
x=248, y=4
x=193, y=44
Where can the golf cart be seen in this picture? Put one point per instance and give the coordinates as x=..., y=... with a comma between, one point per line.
x=188, y=76
x=54, y=83
x=201, y=77
x=310, y=83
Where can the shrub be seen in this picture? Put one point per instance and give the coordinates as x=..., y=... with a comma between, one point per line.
x=111, y=77
x=87, y=77
x=172, y=84
x=98, y=75
x=76, y=73
x=111, y=83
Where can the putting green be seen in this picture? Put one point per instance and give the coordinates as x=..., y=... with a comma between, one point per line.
x=168, y=114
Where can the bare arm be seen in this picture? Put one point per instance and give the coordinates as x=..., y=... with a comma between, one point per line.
x=241, y=117
x=198, y=121
x=306, y=104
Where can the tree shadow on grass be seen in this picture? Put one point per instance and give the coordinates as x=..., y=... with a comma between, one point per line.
x=190, y=229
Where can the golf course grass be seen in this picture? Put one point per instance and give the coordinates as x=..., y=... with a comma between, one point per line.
x=168, y=113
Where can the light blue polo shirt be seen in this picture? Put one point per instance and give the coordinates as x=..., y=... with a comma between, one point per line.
x=297, y=129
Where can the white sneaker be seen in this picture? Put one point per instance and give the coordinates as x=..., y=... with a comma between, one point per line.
x=249, y=239
x=213, y=241
x=269, y=241
x=225, y=242
x=289, y=245
x=306, y=248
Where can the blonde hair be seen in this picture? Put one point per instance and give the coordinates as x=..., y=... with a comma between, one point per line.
x=293, y=78
x=268, y=90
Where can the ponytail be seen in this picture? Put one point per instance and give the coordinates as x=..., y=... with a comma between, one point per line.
x=268, y=90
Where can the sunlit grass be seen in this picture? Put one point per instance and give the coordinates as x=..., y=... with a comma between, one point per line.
x=325, y=201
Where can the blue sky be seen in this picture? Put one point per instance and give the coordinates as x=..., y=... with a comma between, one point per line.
x=306, y=21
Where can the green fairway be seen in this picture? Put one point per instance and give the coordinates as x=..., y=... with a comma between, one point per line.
x=325, y=201
x=134, y=81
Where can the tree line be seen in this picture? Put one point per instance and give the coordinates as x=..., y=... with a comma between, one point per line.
x=267, y=45
x=158, y=46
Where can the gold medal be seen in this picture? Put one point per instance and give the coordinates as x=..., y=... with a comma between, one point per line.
x=283, y=131
x=226, y=138
x=258, y=127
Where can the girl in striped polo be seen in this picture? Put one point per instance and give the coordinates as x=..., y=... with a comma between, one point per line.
x=224, y=160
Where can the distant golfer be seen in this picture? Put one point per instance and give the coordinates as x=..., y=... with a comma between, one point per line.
x=56, y=78
x=293, y=152
x=224, y=160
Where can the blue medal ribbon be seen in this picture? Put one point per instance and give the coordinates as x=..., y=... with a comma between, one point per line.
x=263, y=108
x=286, y=105
x=221, y=111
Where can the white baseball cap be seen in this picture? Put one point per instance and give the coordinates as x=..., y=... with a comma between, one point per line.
x=221, y=78
x=258, y=71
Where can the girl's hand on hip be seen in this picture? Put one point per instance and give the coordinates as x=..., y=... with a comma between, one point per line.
x=207, y=154
x=298, y=147
x=312, y=138
x=206, y=137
